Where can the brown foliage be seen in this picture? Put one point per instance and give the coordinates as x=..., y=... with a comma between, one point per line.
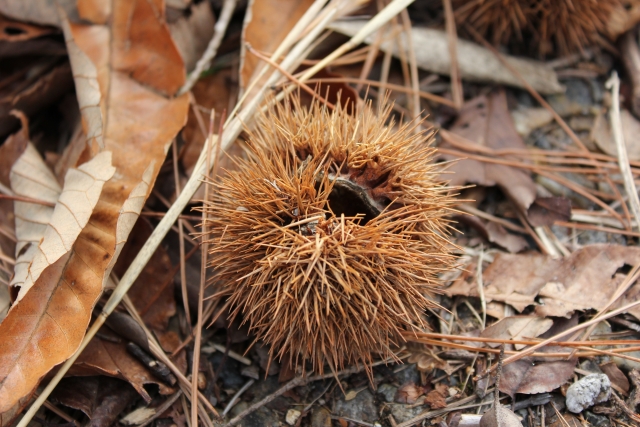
x=47, y=326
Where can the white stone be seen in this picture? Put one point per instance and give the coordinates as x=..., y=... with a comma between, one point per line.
x=588, y=391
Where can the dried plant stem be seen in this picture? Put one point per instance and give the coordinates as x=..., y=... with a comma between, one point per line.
x=183, y=269
x=623, y=160
x=212, y=49
x=195, y=367
x=232, y=128
x=413, y=64
x=452, y=38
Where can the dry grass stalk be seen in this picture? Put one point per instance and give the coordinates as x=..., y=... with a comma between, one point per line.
x=327, y=239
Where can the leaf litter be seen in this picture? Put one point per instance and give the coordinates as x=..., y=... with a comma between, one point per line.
x=547, y=244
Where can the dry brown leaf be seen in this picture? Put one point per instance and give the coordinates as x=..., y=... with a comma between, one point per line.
x=104, y=357
x=584, y=280
x=618, y=379
x=39, y=87
x=16, y=31
x=264, y=30
x=495, y=233
x=136, y=64
x=408, y=393
x=45, y=234
x=532, y=375
x=436, y=398
x=517, y=328
x=486, y=121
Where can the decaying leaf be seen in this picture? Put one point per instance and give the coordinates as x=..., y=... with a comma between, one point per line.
x=133, y=115
x=584, y=280
x=531, y=375
x=436, y=398
x=98, y=397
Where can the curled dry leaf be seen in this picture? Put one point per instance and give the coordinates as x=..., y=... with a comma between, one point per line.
x=436, y=398
x=602, y=135
x=125, y=68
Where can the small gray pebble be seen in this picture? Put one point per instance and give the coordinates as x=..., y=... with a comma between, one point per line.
x=588, y=391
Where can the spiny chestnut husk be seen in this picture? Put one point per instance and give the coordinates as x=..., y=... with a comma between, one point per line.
x=328, y=239
x=566, y=25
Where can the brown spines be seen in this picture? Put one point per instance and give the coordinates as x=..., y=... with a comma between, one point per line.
x=329, y=237
x=560, y=26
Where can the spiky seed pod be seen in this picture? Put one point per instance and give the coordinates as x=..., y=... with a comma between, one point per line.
x=566, y=25
x=329, y=237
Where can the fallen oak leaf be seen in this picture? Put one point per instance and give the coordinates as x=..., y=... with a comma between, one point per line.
x=50, y=321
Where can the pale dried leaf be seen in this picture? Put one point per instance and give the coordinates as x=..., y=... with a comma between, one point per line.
x=486, y=122
x=85, y=76
x=82, y=188
x=30, y=177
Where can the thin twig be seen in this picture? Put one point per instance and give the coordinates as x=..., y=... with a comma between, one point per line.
x=236, y=396
x=195, y=367
x=183, y=267
x=212, y=49
x=452, y=40
x=623, y=160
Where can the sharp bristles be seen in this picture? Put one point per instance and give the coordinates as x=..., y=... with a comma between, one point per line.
x=318, y=283
x=566, y=25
